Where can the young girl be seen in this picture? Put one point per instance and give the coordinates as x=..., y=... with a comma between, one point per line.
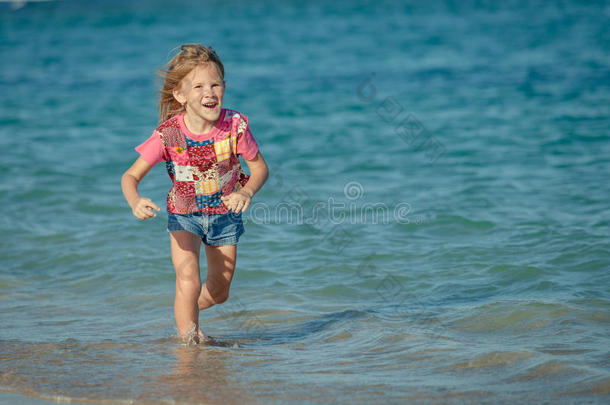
x=199, y=141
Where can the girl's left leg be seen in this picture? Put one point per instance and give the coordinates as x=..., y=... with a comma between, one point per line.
x=221, y=266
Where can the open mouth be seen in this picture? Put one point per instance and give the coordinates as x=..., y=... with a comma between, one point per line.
x=211, y=105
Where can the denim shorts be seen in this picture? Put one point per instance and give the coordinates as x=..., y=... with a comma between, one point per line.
x=214, y=229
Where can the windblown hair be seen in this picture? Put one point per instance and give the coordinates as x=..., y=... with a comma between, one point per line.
x=189, y=57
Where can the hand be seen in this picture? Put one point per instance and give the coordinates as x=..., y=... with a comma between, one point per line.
x=143, y=208
x=238, y=201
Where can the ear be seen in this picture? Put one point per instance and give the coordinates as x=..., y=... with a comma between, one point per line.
x=179, y=96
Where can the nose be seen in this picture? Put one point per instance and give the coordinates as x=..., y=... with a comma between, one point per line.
x=207, y=90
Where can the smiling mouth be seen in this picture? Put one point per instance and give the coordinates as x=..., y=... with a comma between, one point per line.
x=211, y=105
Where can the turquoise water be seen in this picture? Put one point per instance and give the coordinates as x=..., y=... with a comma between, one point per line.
x=435, y=227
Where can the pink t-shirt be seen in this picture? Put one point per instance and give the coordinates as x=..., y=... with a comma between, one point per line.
x=153, y=152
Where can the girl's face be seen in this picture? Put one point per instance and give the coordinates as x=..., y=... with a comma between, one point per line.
x=202, y=90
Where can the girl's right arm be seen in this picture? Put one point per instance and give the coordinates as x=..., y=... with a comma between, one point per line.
x=141, y=207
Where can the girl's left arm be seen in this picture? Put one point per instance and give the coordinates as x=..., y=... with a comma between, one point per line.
x=239, y=200
x=259, y=172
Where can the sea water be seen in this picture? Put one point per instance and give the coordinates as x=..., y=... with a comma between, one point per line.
x=435, y=227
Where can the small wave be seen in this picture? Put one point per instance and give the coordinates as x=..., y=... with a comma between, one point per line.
x=463, y=222
x=595, y=387
x=492, y=359
x=549, y=369
x=514, y=317
x=302, y=330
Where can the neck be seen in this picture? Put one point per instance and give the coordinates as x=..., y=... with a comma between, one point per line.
x=198, y=125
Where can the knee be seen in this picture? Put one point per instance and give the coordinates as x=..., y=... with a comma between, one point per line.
x=219, y=298
x=218, y=290
x=190, y=287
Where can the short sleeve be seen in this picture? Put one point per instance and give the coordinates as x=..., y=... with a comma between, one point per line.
x=152, y=150
x=246, y=145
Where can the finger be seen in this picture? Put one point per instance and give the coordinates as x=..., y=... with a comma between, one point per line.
x=145, y=213
x=246, y=205
x=151, y=204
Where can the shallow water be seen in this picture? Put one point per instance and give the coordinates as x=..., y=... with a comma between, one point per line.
x=435, y=227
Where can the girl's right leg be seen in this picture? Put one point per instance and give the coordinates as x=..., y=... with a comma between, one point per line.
x=185, y=247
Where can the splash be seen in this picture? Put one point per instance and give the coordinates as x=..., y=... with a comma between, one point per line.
x=193, y=336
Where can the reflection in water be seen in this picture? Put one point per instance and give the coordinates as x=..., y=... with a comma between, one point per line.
x=203, y=374
x=117, y=372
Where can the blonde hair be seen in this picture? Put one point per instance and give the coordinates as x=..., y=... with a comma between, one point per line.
x=189, y=57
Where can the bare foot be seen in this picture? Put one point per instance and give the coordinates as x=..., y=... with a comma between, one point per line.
x=193, y=338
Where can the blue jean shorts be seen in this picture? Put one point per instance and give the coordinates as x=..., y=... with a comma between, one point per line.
x=214, y=229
